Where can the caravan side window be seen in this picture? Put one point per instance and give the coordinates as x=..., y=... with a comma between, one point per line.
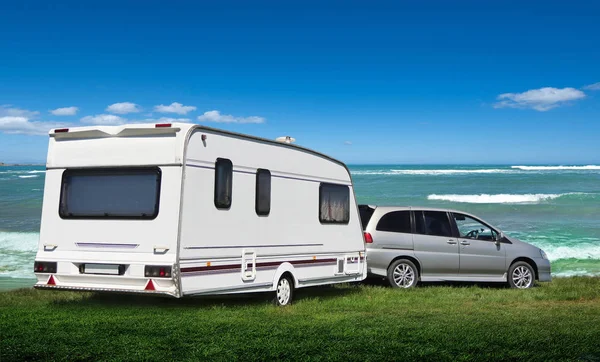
x=223, y=183
x=334, y=204
x=263, y=192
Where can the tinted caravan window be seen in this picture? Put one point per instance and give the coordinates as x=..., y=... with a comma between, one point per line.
x=334, y=204
x=263, y=192
x=395, y=221
x=223, y=183
x=112, y=193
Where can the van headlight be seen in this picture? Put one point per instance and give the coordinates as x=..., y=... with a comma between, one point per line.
x=543, y=254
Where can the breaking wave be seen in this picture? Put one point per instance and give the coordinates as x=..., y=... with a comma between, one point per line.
x=555, y=168
x=28, y=176
x=431, y=172
x=17, y=253
x=499, y=198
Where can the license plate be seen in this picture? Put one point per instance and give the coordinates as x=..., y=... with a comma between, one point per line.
x=111, y=269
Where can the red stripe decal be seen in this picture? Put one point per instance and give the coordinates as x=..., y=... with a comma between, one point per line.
x=258, y=265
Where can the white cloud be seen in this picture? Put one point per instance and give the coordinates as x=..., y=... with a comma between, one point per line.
x=542, y=99
x=595, y=86
x=104, y=119
x=164, y=120
x=348, y=143
x=66, y=111
x=7, y=110
x=174, y=108
x=123, y=108
x=22, y=125
x=216, y=116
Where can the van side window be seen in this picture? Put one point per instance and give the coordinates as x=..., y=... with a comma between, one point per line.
x=395, y=221
x=419, y=222
x=334, y=204
x=223, y=183
x=437, y=223
x=263, y=192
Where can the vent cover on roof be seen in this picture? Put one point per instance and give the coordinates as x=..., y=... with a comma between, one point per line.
x=285, y=139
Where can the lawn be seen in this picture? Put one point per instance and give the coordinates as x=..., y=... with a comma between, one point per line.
x=553, y=321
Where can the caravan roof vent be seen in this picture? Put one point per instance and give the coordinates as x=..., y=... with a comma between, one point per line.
x=285, y=139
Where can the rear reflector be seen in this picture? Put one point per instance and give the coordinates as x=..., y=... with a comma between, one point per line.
x=61, y=130
x=51, y=280
x=150, y=285
x=368, y=238
x=162, y=125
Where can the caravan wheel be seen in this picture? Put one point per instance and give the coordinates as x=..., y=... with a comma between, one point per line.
x=284, y=291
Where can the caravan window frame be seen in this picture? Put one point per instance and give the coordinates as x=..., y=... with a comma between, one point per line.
x=219, y=203
x=322, y=187
x=109, y=171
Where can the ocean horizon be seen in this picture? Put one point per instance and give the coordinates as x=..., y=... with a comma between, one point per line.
x=553, y=206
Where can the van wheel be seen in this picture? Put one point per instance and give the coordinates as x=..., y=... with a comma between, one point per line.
x=284, y=291
x=521, y=275
x=402, y=274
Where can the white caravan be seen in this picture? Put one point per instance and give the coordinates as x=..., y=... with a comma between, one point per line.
x=180, y=209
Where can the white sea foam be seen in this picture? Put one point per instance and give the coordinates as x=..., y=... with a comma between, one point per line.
x=430, y=172
x=17, y=253
x=580, y=251
x=556, y=168
x=37, y=171
x=498, y=198
x=28, y=176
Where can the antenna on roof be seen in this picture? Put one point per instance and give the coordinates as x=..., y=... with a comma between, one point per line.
x=285, y=139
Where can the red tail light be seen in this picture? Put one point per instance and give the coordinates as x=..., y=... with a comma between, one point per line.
x=154, y=271
x=368, y=238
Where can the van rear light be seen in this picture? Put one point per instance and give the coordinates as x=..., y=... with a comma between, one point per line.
x=159, y=271
x=61, y=130
x=44, y=267
x=368, y=238
x=162, y=125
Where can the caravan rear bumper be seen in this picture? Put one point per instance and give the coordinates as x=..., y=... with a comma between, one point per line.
x=100, y=283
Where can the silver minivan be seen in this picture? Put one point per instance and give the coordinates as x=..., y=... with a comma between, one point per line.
x=407, y=245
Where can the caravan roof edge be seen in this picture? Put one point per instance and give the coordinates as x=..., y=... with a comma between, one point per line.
x=256, y=138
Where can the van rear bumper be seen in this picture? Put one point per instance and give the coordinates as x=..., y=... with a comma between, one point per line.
x=105, y=283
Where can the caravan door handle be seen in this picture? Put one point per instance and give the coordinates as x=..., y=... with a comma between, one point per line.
x=451, y=242
x=464, y=242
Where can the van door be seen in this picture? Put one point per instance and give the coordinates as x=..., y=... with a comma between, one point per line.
x=435, y=247
x=480, y=254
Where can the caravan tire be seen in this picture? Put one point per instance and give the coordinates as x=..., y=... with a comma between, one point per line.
x=284, y=291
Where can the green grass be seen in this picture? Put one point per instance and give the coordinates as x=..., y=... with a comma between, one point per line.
x=553, y=321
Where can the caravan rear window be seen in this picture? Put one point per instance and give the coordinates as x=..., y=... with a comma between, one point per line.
x=111, y=193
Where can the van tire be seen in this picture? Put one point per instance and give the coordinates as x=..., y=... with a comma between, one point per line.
x=521, y=275
x=284, y=291
x=403, y=273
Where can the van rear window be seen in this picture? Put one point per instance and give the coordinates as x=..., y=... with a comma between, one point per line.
x=110, y=193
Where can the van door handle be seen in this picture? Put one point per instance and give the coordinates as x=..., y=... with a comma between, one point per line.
x=451, y=242
x=464, y=242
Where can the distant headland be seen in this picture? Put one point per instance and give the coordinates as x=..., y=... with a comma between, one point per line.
x=2, y=164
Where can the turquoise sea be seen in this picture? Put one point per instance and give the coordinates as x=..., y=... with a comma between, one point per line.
x=554, y=207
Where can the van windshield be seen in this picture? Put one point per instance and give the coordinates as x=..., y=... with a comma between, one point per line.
x=111, y=193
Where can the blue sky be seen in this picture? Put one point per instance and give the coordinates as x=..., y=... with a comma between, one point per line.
x=366, y=82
